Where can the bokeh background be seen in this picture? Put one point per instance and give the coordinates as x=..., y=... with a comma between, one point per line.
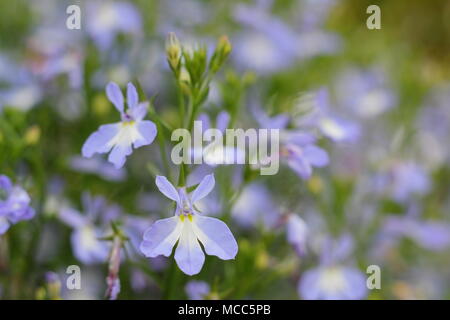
x=382, y=200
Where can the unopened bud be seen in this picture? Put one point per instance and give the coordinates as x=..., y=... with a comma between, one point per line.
x=184, y=80
x=173, y=52
x=32, y=135
x=221, y=53
x=224, y=46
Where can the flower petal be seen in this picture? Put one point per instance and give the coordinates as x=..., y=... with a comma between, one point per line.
x=316, y=156
x=147, y=131
x=139, y=111
x=189, y=255
x=132, y=95
x=216, y=237
x=115, y=95
x=204, y=188
x=87, y=247
x=160, y=238
x=5, y=183
x=72, y=217
x=98, y=142
x=300, y=166
x=167, y=188
x=119, y=154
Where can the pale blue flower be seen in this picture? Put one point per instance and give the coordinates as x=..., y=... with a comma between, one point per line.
x=301, y=154
x=255, y=206
x=334, y=279
x=429, y=234
x=14, y=204
x=97, y=165
x=403, y=181
x=217, y=152
x=121, y=137
x=197, y=290
x=188, y=227
x=333, y=283
x=267, y=45
x=105, y=20
x=366, y=92
x=323, y=118
x=297, y=149
x=86, y=236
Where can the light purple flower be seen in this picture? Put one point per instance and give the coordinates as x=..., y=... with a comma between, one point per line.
x=268, y=44
x=197, y=290
x=121, y=137
x=14, y=204
x=188, y=227
x=105, y=20
x=301, y=154
x=366, y=92
x=96, y=165
x=86, y=244
x=297, y=148
x=333, y=279
x=216, y=153
x=429, y=234
x=333, y=283
x=404, y=180
x=256, y=206
x=330, y=125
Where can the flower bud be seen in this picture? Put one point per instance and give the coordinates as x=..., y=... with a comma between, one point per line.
x=173, y=52
x=221, y=53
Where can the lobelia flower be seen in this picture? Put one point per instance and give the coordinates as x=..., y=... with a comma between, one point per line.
x=430, y=234
x=301, y=154
x=14, y=204
x=332, y=280
x=322, y=118
x=188, y=227
x=268, y=45
x=297, y=148
x=197, y=290
x=121, y=137
x=255, y=206
x=105, y=20
x=20, y=90
x=97, y=165
x=403, y=181
x=216, y=153
x=365, y=92
x=85, y=238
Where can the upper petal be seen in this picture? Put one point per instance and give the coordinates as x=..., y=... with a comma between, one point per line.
x=161, y=237
x=115, y=95
x=204, y=188
x=139, y=111
x=132, y=95
x=189, y=255
x=167, y=188
x=216, y=237
x=99, y=140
